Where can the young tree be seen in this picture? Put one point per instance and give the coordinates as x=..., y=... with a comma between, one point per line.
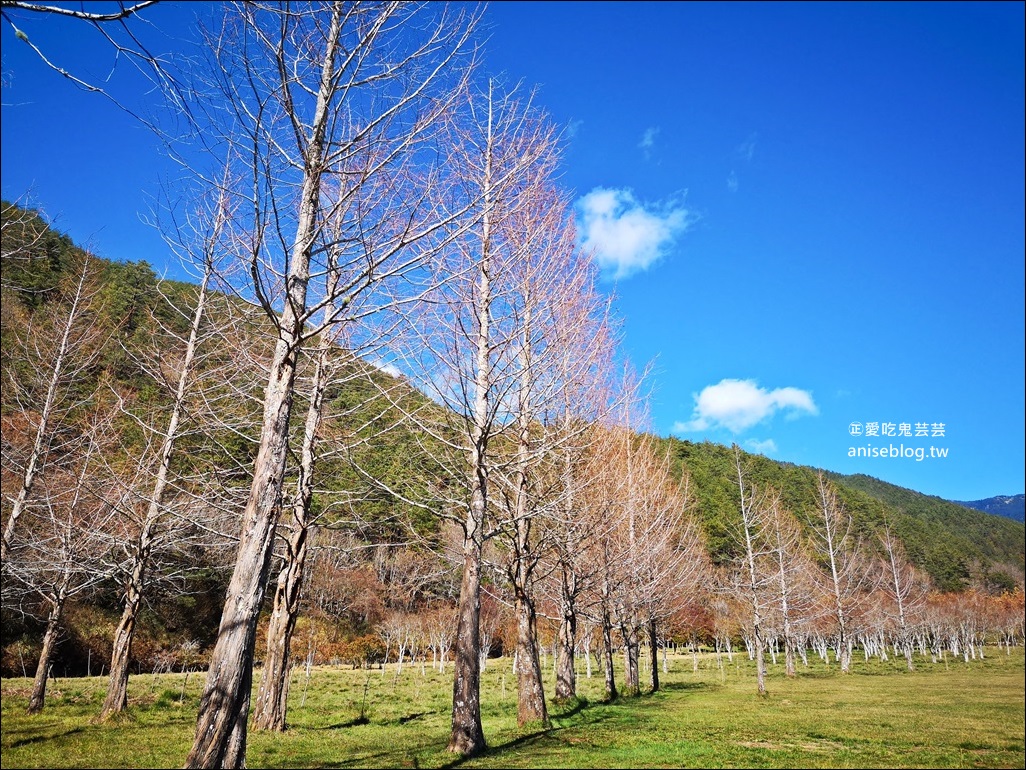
x=905, y=589
x=148, y=527
x=846, y=576
x=561, y=351
x=61, y=554
x=56, y=347
x=791, y=577
x=752, y=536
x=463, y=347
x=307, y=91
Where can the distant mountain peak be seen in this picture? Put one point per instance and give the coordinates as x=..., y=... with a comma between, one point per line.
x=1009, y=506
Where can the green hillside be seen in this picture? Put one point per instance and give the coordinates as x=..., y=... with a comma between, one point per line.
x=135, y=311
x=956, y=546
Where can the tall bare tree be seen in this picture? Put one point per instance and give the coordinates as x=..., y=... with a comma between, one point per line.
x=905, y=588
x=846, y=576
x=464, y=349
x=56, y=348
x=306, y=90
x=753, y=537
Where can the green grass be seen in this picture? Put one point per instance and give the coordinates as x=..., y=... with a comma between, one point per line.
x=942, y=715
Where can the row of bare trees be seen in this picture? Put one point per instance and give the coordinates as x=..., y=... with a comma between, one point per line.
x=810, y=581
x=368, y=214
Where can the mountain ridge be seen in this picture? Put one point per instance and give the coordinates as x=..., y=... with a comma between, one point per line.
x=1009, y=506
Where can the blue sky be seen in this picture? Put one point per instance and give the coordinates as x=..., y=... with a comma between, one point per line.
x=812, y=214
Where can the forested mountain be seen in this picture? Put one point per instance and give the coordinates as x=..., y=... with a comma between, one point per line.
x=956, y=547
x=1010, y=506
x=368, y=491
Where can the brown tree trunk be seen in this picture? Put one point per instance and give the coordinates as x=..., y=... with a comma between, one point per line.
x=566, y=675
x=530, y=690
x=607, y=654
x=631, y=676
x=117, y=688
x=653, y=646
x=271, y=708
x=467, y=736
x=53, y=623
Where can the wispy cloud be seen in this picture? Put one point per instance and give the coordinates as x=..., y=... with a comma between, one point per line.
x=767, y=447
x=739, y=404
x=573, y=127
x=743, y=152
x=624, y=235
x=647, y=142
x=746, y=150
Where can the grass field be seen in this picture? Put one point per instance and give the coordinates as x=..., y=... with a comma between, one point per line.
x=952, y=714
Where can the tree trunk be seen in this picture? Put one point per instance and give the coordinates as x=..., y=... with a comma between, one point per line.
x=272, y=697
x=760, y=660
x=271, y=708
x=530, y=690
x=631, y=674
x=607, y=647
x=653, y=646
x=53, y=622
x=467, y=736
x=117, y=688
x=224, y=707
x=566, y=676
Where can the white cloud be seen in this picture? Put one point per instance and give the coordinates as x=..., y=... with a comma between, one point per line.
x=732, y=183
x=767, y=447
x=624, y=235
x=573, y=128
x=746, y=150
x=648, y=140
x=739, y=404
x=390, y=369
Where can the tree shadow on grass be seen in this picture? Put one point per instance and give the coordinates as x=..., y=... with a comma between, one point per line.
x=588, y=713
x=681, y=687
x=41, y=736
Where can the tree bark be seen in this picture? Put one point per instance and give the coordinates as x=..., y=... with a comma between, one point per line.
x=467, y=736
x=272, y=697
x=220, y=739
x=117, y=687
x=653, y=646
x=530, y=690
x=53, y=623
x=566, y=675
x=631, y=673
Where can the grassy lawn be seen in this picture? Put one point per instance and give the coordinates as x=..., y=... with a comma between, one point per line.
x=952, y=714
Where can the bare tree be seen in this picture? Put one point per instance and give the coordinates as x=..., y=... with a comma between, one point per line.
x=846, y=574
x=753, y=537
x=560, y=354
x=61, y=555
x=306, y=91
x=176, y=373
x=905, y=589
x=60, y=344
x=463, y=346
x=791, y=570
